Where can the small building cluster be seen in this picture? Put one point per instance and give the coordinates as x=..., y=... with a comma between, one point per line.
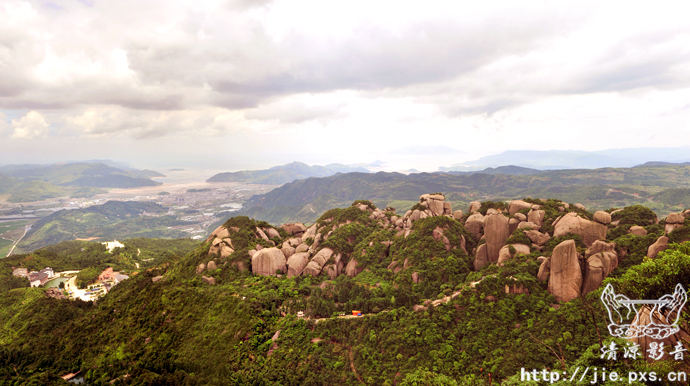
x=35, y=278
x=110, y=278
x=110, y=275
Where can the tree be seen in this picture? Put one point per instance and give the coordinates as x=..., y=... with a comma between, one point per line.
x=424, y=377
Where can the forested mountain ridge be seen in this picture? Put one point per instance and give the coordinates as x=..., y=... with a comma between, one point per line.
x=305, y=200
x=427, y=281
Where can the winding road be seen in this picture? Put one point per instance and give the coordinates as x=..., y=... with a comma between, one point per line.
x=26, y=229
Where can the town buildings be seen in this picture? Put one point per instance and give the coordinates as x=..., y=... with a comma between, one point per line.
x=41, y=277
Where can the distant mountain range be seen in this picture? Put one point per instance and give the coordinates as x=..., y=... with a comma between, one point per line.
x=278, y=175
x=37, y=182
x=662, y=188
x=576, y=159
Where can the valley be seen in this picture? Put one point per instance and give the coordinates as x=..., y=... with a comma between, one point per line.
x=191, y=208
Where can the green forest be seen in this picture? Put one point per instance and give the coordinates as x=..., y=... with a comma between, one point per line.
x=429, y=316
x=660, y=188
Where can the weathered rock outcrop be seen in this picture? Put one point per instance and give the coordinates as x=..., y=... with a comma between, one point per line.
x=296, y=263
x=602, y=217
x=536, y=216
x=496, y=232
x=517, y=205
x=210, y=280
x=221, y=246
x=475, y=224
x=659, y=245
x=590, y=231
x=211, y=265
x=351, y=269
x=457, y=215
x=595, y=272
x=415, y=277
x=295, y=229
x=481, y=259
x=513, y=224
x=334, y=270
x=310, y=232
x=638, y=231
x=293, y=242
x=538, y=237
x=261, y=234
x=565, y=281
x=200, y=268
x=600, y=246
x=267, y=261
x=673, y=221
x=544, y=270
x=220, y=233
x=601, y=261
x=287, y=250
x=447, y=209
x=648, y=314
x=317, y=262
x=505, y=255
x=529, y=225
x=474, y=206
x=272, y=233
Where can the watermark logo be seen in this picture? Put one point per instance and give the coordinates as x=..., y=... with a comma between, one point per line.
x=657, y=319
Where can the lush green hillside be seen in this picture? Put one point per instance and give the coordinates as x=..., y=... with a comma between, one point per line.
x=7, y=183
x=242, y=330
x=595, y=188
x=35, y=191
x=114, y=219
x=282, y=174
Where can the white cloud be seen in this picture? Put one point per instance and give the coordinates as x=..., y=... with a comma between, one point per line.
x=287, y=75
x=30, y=126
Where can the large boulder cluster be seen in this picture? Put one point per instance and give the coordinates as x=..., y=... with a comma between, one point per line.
x=571, y=271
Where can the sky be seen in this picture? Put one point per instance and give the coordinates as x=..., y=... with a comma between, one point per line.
x=244, y=84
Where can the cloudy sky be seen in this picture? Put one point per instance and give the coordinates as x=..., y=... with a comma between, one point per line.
x=252, y=83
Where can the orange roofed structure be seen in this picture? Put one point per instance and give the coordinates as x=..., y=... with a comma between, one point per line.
x=108, y=274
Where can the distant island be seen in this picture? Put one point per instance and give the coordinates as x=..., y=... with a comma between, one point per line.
x=285, y=173
x=26, y=183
